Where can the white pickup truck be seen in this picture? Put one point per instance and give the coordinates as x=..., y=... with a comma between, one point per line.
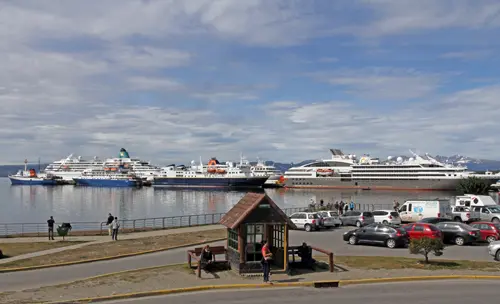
x=464, y=214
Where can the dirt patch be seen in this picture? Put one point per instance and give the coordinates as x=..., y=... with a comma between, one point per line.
x=102, y=250
x=381, y=262
x=15, y=249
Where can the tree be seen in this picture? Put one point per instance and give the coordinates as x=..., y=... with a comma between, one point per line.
x=426, y=245
x=473, y=185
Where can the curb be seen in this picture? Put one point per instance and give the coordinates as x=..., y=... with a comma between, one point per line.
x=314, y=284
x=114, y=257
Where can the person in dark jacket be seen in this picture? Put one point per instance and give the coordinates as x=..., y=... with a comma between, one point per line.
x=305, y=254
x=50, y=224
x=207, y=258
x=108, y=223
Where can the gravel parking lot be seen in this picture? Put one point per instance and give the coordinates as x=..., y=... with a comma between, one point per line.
x=332, y=240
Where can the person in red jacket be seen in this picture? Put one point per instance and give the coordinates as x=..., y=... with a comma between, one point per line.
x=266, y=261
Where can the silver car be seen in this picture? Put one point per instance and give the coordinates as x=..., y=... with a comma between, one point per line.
x=494, y=250
x=330, y=218
x=357, y=218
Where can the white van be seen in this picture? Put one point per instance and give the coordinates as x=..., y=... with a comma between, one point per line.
x=471, y=200
x=415, y=210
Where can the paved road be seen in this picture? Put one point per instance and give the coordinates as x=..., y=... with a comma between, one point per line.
x=437, y=292
x=51, y=276
x=329, y=239
x=332, y=240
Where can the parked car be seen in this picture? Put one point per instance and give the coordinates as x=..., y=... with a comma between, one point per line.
x=489, y=213
x=420, y=230
x=490, y=232
x=330, y=218
x=464, y=214
x=386, y=217
x=357, y=218
x=458, y=233
x=434, y=220
x=376, y=233
x=494, y=250
x=306, y=220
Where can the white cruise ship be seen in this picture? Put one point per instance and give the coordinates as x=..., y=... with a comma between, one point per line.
x=142, y=169
x=346, y=171
x=274, y=175
x=214, y=174
x=72, y=167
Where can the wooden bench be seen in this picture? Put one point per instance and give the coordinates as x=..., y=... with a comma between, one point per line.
x=195, y=254
x=294, y=250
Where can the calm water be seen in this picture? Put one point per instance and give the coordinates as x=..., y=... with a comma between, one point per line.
x=76, y=204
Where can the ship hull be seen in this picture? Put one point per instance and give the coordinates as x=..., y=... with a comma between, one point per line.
x=32, y=181
x=396, y=184
x=106, y=182
x=207, y=182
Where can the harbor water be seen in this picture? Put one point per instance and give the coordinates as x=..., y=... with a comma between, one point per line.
x=34, y=204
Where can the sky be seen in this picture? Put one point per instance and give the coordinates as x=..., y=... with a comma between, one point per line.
x=283, y=80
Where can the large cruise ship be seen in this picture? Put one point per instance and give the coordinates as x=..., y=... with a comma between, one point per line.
x=72, y=167
x=214, y=174
x=347, y=172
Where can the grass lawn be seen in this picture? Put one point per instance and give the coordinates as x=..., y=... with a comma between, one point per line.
x=101, y=250
x=15, y=249
x=381, y=262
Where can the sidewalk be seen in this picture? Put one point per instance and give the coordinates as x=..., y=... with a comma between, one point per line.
x=95, y=240
x=127, y=236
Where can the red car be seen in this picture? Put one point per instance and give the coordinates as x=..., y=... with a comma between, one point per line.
x=420, y=230
x=490, y=232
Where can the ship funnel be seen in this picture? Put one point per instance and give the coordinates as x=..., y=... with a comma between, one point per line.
x=124, y=153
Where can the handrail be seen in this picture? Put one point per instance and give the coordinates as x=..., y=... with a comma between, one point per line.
x=134, y=225
x=327, y=253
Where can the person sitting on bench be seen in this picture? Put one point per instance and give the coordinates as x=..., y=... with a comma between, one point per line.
x=207, y=258
x=305, y=254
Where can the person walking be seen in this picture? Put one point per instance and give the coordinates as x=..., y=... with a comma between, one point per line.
x=108, y=223
x=266, y=261
x=351, y=206
x=336, y=207
x=115, y=226
x=50, y=223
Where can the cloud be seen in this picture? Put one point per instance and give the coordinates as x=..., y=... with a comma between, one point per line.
x=467, y=55
x=383, y=83
x=159, y=78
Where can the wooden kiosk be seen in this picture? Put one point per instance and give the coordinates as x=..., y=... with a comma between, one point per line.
x=254, y=219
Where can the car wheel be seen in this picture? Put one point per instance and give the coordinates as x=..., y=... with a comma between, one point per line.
x=459, y=241
x=358, y=224
x=495, y=220
x=308, y=228
x=337, y=225
x=353, y=240
x=385, y=222
x=391, y=243
x=491, y=239
x=497, y=255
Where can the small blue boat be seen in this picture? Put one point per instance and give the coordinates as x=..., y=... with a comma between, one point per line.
x=31, y=178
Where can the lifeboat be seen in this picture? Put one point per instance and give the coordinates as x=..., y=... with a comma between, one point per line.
x=106, y=169
x=113, y=169
x=325, y=172
x=32, y=173
x=221, y=171
x=211, y=170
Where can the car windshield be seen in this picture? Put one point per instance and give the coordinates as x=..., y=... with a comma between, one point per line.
x=395, y=214
x=497, y=226
x=494, y=209
x=367, y=214
x=315, y=216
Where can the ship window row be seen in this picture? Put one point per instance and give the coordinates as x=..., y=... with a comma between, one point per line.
x=384, y=166
x=304, y=183
x=328, y=164
x=396, y=174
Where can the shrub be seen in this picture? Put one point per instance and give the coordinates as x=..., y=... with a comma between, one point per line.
x=473, y=185
x=426, y=245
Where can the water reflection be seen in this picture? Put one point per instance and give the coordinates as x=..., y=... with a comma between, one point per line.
x=69, y=203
